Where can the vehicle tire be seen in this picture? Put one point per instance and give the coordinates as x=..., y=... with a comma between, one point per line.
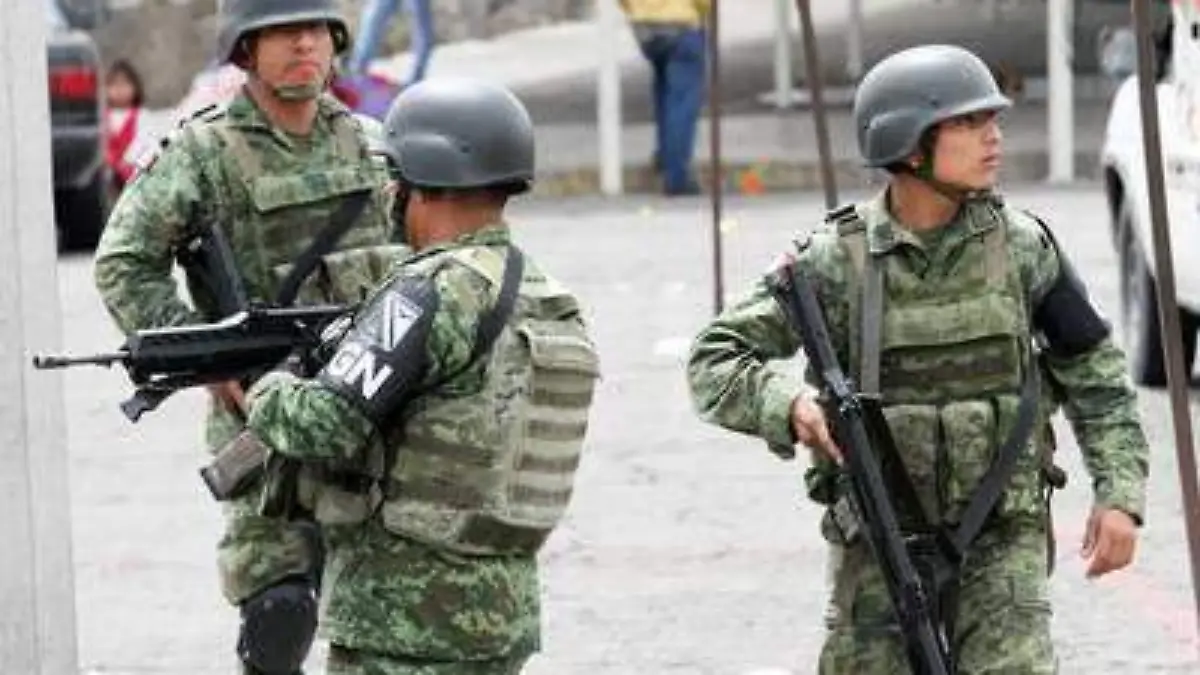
x=1139, y=314
x=81, y=214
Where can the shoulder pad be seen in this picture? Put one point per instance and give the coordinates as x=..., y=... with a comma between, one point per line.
x=846, y=219
x=483, y=260
x=332, y=106
x=802, y=242
x=207, y=114
x=1036, y=225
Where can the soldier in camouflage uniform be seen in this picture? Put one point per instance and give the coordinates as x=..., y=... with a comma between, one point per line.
x=438, y=446
x=270, y=171
x=942, y=300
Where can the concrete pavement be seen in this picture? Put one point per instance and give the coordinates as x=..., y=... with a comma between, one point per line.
x=688, y=550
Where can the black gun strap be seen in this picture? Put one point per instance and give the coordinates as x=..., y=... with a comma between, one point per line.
x=993, y=483
x=493, y=322
x=340, y=223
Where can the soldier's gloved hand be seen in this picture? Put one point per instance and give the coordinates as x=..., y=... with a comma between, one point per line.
x=1109, y=540
x=811, y=429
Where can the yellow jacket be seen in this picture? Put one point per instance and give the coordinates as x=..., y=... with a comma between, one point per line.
x=689, y=12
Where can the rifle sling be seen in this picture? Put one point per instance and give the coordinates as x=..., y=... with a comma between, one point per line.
x=993, y=483
x=340, y=223
x=492, y=323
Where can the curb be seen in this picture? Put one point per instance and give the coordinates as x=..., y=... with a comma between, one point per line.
x=747, y=177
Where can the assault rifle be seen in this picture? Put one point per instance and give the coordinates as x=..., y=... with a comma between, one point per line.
x=860, y=429
x=162, y=361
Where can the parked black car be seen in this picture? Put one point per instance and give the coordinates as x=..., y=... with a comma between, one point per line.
x=76, y=84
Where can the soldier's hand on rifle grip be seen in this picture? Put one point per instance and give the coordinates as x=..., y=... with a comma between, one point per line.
x=811, y=428
x=1109, y=541
x=230, y=395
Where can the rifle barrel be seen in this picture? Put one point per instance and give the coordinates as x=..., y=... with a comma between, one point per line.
x=48, y=362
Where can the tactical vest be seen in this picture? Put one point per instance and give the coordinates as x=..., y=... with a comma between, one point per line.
x=948, y=357
x=273, y=205
x=489, y=472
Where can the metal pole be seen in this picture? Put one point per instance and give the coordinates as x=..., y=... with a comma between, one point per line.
x=783, y=54
x=714, y=129
x=1168, y=309
x=1060, y=83
x=854, y=41
x=608, y=99
x=37, y=589
x=812, y=65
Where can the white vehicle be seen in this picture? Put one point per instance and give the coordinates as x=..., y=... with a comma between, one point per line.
x=1124, y=169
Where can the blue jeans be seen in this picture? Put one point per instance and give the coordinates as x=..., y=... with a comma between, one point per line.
x=676, y=55
x=376, y=16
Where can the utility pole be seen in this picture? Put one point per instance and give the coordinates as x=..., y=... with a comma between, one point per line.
x=37, y=590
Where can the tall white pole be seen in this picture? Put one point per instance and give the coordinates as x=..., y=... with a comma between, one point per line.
x=783, y=54
x=854, y=41
x=1061, y=89
x=608, y=99
x=37, y=606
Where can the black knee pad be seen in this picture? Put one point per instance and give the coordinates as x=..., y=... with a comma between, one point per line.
x=278, y=627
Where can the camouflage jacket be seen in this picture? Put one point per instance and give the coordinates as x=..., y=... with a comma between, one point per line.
x=269, y=191
x=386, y=593
x=733, y=384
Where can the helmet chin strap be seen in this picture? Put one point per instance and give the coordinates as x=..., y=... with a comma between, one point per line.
x=956, y=193
x=290, y=92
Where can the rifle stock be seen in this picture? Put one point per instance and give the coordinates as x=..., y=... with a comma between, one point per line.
x=855, y=428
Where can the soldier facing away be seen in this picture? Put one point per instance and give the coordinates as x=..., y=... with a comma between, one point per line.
x=962, y=314
x=438, y=446
x=280, y=166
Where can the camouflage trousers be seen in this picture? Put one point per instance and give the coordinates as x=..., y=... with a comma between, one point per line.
x=343, y=661
x=1003, y=618
x=255, y=551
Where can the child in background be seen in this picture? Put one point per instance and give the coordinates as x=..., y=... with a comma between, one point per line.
x=124, y=98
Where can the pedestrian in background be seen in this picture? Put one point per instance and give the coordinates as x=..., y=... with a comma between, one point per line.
x=376, y=16
x=125, y=140
x=672, y=38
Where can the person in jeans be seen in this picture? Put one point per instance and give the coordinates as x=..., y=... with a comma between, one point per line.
x=672, y=38
x=376, y=16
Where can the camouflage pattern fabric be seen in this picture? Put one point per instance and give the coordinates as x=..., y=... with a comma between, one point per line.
x=396, y=599
x=1003, y=612
x=271, y=193
x=344, y=661
x=946, y=442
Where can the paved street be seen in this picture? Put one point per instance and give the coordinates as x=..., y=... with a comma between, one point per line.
x=688, y=549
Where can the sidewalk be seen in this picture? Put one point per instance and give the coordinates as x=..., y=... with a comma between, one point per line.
x=553, y=70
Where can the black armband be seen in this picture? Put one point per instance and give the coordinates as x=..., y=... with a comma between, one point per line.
x=1066, y=317
x=379, y=364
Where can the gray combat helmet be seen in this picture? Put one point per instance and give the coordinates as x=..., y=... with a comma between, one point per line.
x=910, y=91
x=237, y=18
x=458, y=133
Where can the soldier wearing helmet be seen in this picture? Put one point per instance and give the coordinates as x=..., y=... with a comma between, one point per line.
x=454, y=409
x=965, y=319
x=252, y=187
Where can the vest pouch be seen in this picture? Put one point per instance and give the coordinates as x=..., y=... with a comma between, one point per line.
x=345, y=277
x=974, y=432
x=564, y=367
x=914, y=429
x=951, y=351
x=291, y=209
